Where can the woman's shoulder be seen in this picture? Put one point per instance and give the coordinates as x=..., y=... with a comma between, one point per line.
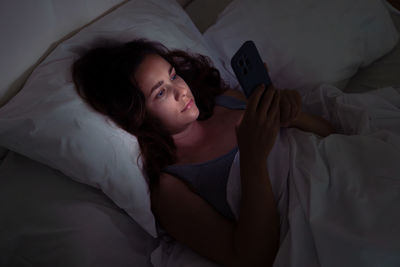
x=236, y=94
x=168, y=184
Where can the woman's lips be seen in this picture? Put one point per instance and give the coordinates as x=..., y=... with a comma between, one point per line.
x=188, y=105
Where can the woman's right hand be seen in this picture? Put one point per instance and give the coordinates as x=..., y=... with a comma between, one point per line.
x=257, y=130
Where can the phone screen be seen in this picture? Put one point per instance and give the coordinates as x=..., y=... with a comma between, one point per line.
x=249, y=68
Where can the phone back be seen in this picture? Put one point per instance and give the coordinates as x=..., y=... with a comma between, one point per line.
x=249, y=68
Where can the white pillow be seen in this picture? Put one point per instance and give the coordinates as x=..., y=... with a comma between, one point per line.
x=49, y=219
x=22, y=22
x=47, y=121
x=306, y=43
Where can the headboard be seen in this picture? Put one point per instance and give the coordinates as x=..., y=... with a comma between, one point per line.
x=204, y=12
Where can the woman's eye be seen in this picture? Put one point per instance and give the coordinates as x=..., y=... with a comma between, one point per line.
x=173, y=77
x=160, y=93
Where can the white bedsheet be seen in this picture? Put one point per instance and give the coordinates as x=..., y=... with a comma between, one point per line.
x=344, y=190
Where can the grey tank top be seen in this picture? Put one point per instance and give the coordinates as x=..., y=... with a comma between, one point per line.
x=208, y=179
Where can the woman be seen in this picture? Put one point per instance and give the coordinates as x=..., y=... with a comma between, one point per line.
x=185, y=119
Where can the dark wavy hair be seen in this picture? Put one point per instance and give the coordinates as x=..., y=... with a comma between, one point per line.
x=103, y=78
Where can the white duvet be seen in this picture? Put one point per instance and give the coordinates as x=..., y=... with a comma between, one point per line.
x=343, y=191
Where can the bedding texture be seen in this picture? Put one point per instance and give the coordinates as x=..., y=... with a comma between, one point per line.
x=47, y=219
x=306, y=43
x=382, y=72
x=344, y=189
x=48, y=122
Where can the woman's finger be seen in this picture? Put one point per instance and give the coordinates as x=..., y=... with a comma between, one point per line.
x=265, y=102
x=285, y=108
x=274, y=110
x=293, y=106
x=255, y=99
x=296, y=104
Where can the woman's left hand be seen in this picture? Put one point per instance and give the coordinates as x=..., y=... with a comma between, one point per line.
x=290, y=107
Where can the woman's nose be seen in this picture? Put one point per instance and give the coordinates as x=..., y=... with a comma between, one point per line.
x=180, y=92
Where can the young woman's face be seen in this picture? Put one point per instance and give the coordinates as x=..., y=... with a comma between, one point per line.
x=167, y=95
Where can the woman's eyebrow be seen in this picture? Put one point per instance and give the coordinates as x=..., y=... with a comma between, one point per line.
x=160, y=82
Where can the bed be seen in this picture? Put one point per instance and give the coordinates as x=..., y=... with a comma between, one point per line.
x=72, y=194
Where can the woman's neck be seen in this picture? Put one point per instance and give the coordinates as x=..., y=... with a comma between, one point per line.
x=192, y=136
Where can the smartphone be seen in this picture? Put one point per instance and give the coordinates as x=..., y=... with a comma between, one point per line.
x=249, y=68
